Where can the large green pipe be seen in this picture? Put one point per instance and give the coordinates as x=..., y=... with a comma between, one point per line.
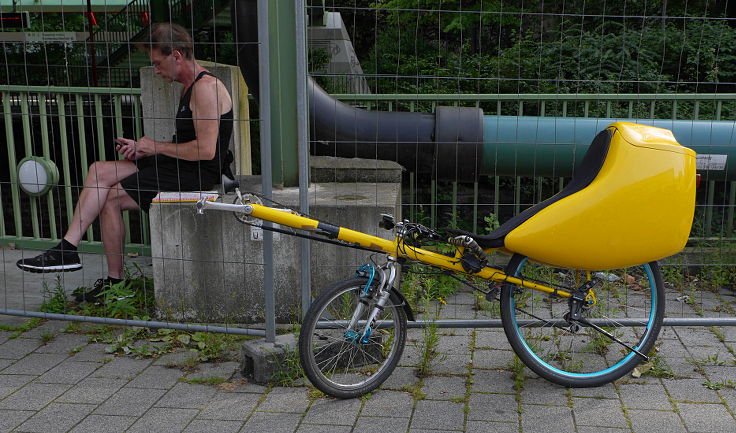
x=554, y=146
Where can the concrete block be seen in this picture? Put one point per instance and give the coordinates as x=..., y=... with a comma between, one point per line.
x=209, y=268
x=260, y=359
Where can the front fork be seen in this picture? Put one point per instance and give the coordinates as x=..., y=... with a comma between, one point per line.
x=387, y=275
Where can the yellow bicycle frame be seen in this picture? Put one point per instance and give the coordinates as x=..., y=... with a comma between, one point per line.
x=394, y=248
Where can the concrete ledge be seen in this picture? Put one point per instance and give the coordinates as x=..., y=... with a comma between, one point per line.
x=209, y=268
x=350, y=170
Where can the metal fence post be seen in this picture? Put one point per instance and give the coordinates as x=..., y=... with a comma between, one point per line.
x=264, y=109
x=303, y=144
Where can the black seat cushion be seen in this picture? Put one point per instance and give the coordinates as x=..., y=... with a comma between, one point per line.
x=589, y=169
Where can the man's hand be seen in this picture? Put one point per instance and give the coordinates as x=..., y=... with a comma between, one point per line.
x=134, y=150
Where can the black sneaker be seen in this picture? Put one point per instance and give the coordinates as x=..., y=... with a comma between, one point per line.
x=53, y=260
x=98, y=287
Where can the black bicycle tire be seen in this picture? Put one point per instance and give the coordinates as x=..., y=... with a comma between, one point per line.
x=306, y=355
x=525, y=354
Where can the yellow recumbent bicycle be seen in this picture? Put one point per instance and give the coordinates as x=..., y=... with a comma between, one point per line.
x=582, y=297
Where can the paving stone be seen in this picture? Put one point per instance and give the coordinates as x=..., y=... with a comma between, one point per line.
x=401, y=377
x=412, y=355
x=92, y=390
x=156, y=376
x=317, y=428
x=693, y=337
x=173, y=359
x=385, y=403
x=465, y=296
x=491, y=339
x=10, y=419
x=599, y=412
x=681, y=367
x=213, y=426
x=655, y=421
x=33, y=396
x=585, y=429
x=672, y=348
x=450, y=364
x=444, y=387
x=68, y=372
x=130, y=402
x=729, y=395
x=492, y=407
x=493, y=381
x=187, y=395
x=4, y=363
x=49, y=327
x=232, y=406
x=92, y=353
x=369, y=424
x=606, y=391
x=426, y=411
x=645, y=396
x=123, y=368
x=163, y=420
x=458, y=311
x=541, y=419
x=104, y=424
x=56, y=417
x=492, y=359
x=272, y=422
x=690, y=390
x=706, y=417
x=225, y=370
x=11, y=383
x=489, y=426
x=18, y=348
x=35, y=363
x=63, y=343
x=286, y=400
x=4, y=336
x=336, y=412
x=540, y=391
x=240, y=384
x=454, y=344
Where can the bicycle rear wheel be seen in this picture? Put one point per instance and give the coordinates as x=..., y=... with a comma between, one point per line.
x=628, y=304
x=333, y=357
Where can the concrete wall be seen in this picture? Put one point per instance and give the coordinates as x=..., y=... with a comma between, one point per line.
x=210, y=268
x=160, y=100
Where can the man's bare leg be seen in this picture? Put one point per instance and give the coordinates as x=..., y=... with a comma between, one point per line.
x=113, y=229
x=101, y=177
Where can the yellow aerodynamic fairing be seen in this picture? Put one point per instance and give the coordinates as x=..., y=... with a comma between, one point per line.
x=638, y=208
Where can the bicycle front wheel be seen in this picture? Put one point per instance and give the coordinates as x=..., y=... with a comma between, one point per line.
x=626, y=305
x=334, y=356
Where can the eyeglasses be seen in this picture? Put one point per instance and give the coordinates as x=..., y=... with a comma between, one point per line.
x=157, y=64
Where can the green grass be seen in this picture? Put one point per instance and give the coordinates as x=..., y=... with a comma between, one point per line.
x=204, y=381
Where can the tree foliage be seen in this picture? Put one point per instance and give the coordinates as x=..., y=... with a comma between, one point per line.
x=490, y=46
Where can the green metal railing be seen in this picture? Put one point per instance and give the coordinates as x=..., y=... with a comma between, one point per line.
x=73, y=127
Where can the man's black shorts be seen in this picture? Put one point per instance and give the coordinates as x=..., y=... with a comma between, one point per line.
x=162, y=173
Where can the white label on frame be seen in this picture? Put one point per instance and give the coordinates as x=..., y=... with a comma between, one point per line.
x=709, y=161
x=256, y=233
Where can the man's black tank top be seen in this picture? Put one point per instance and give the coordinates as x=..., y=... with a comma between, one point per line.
x=207, y=169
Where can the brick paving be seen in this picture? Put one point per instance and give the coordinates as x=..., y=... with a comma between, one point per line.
x=67, y=384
